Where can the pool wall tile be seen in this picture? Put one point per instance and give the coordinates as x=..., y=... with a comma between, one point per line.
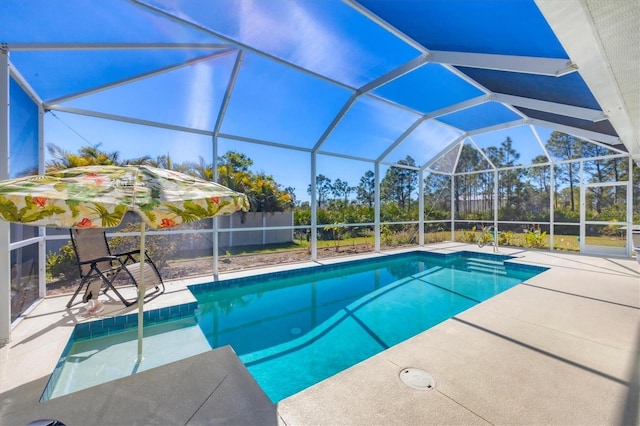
x=106, y=326
x=197, y=289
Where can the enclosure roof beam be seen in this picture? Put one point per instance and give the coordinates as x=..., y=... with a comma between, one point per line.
x=469, y=103
x=346, y=156
x=402, y=137
x=398, y=72
x=540, y=143
x=383, y=24
x=401, y=166
x=126, y=119
x=481, y=151
x=19, y=78
x=263, y=142
x=501, y=126
x=445, y=150
x=228, y=92
x=336, y=120
x=552, y=107
x=24, y=47
x=140, y=76
x=521, y=64
x=581, y=133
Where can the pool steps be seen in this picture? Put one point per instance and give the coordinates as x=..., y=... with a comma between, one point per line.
x=486, y=266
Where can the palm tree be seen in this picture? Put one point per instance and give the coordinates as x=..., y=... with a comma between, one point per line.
x=87, y=156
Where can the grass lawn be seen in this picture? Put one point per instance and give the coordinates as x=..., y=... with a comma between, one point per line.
x=513, y=239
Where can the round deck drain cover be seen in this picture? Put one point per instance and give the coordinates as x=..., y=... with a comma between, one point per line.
x=417, y=379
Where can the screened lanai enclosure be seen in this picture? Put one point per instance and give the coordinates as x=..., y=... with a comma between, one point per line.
x=354, y=126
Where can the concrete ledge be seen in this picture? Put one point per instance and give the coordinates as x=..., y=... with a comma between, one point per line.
x=210, y=388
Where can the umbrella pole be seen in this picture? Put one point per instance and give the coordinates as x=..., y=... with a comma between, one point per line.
x=141, y=291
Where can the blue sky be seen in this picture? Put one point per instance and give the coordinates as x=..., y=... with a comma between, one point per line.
x=270, y=101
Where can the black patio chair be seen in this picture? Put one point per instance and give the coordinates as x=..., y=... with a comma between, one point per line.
x=99, y=267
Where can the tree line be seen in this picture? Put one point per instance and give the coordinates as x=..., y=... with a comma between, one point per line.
x=523, y=193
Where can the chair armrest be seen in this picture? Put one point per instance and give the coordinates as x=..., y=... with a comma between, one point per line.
x=128, y=256
x=99, y=259
x=127, y=253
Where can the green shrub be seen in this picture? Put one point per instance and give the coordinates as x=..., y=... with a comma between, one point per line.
x=386, y=235
x=535, y=239
x=63, y=264
x=470, y=236
x=611, y=231
x=505, y=238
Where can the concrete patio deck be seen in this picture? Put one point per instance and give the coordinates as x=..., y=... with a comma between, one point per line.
x=561, y=348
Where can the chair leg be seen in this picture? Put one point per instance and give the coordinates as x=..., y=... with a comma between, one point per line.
x=92, y=291
x=155, y=269
x=82, y=283
x=117, y=293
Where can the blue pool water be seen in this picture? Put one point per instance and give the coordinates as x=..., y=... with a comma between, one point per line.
x=296, y=328
x=292, y=332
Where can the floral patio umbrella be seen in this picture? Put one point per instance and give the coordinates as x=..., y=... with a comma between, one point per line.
x=100, y=196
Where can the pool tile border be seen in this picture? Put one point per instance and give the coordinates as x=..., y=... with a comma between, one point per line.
x=201, y=288
x=106, y=326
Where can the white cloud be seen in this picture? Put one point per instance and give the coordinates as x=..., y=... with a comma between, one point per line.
x=198, y=111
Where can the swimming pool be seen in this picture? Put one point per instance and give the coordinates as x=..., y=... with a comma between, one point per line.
x=296, y=328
